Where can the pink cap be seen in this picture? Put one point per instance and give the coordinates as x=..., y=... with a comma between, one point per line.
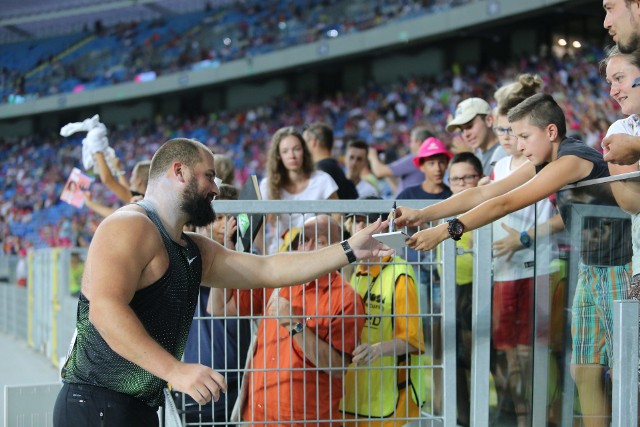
x=431, y=147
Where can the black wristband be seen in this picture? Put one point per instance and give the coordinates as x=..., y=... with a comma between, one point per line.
x=351, y=257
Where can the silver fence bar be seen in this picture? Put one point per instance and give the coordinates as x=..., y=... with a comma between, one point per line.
x=171, y=416
x=481, y=326
x=448, y=325
x=625, y=363
x=542, y=319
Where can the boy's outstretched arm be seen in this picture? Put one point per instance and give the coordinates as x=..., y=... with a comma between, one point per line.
x=463, y=201
x=553, y=177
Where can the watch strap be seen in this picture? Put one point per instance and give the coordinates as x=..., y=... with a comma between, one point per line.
x=297, y=328
x=351, y=257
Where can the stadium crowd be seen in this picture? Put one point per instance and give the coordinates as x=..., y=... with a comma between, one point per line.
x=36, y=167
x=237, y=30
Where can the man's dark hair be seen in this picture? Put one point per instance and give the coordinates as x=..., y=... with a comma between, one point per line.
x=421, y=133
x=183, y=150
x=468, y=157
x=323, y=133
x=541, y=110
x=358, y=143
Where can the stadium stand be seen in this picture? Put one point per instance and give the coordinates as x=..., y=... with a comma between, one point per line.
x=36, y=167
x=135, y=51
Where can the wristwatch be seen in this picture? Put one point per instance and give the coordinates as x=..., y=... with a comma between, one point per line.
x=297, y=328
x=525, y=239
x=455, y=229
x=351, y=257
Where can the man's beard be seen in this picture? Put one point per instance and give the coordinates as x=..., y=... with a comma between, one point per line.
x=634, y=40
x=196, y=206
x=631, y=46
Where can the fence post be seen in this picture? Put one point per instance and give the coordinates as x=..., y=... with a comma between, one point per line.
x=481, y=326
x=625, y=363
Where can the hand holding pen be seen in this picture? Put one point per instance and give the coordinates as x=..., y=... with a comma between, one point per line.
x=406, y=217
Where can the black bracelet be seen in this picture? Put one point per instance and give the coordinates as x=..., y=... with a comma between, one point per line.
x=351, y=257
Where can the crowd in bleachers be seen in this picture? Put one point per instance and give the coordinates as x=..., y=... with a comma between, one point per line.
x=35, y=169
x=139, y=51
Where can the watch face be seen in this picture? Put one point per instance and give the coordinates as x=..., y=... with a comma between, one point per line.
x=297, y=328
x=525, y=239
x=455, y=229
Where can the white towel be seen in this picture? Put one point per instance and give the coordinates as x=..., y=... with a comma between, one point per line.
x=84, y=126
x=96, y=141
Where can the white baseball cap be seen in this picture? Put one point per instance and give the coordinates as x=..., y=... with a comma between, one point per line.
x=467, y=110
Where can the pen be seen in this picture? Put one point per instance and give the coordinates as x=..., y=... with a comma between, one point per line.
x=392, y=225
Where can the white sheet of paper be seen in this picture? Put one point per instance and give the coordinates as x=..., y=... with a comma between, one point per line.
x=395, y=239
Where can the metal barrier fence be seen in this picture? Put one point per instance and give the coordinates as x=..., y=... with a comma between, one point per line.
x=435, y=309
x=551, y=394
x=30, y=406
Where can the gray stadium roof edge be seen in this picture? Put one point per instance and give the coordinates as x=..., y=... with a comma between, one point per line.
x=32, y=19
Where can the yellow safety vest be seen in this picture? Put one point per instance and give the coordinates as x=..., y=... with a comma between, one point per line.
x=374, y=392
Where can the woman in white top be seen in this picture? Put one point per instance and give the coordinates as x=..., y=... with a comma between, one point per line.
x=291, y=176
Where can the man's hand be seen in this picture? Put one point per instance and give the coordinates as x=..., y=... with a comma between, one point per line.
x=200, y=382
x=365, y=246
x=429, y=238
x=365, y=354
x=508, y=245
x=621, y=149
x=408, y=217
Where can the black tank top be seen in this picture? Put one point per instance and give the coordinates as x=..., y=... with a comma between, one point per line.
x=165, y=309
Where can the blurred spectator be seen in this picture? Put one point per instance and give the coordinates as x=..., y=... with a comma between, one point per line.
x=388, y=345
x=403, y=169
x=356, y=159
x=291, y=176
x=319, y=140
x=313, y=325
x=474, y=120
x=224, y=168
x=432, y=160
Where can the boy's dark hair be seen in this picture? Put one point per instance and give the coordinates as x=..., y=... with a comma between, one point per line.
x=468, y=157
x=358, y=143
x=227, y=192
x=323, y=133
x=541, y=110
